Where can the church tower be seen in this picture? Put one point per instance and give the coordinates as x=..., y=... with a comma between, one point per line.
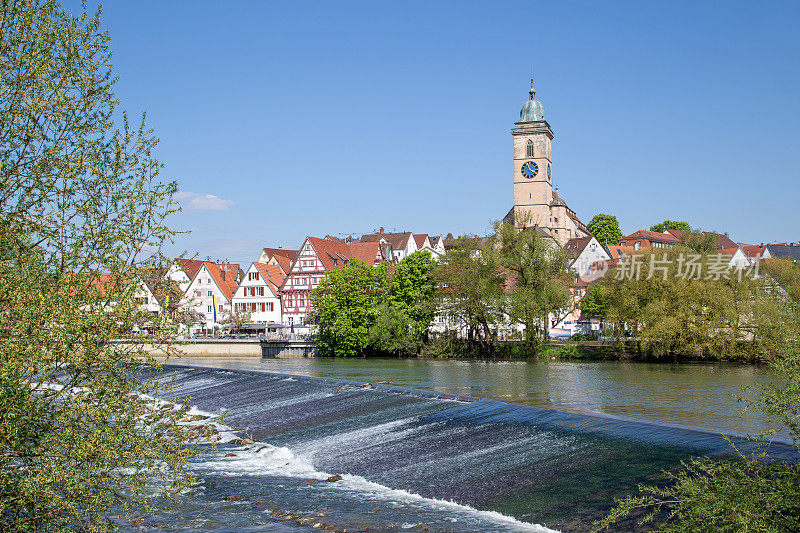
x=533, y=174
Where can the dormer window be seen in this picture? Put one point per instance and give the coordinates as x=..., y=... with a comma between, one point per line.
x=529, y=149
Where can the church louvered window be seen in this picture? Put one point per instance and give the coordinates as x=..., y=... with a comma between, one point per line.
x=529, y=149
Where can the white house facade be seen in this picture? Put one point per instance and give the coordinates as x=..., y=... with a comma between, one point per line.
x=259, y=294
x=209, y=294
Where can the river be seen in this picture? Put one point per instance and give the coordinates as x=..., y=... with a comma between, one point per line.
x=449, y=446
x=698, y=395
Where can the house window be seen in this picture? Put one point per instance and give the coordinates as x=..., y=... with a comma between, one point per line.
x=210, y=309
x=261, y=291
x=210, y=293
x=263, y=307
x=529, y=149
x=636, y=245
x=197, y=294
x=220, y=308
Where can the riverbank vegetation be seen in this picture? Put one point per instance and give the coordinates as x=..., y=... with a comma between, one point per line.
x=673, y=309
x=480, y=289
x=81, y=445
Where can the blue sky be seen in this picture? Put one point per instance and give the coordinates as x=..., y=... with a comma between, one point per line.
x=303, y=118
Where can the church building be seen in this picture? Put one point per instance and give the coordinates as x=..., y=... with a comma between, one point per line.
x=536, y=203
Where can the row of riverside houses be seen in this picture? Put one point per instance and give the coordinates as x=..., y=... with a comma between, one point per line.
x=272, y=295
x=591, y=260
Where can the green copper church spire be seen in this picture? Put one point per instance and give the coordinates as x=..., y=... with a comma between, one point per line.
x=533, y=110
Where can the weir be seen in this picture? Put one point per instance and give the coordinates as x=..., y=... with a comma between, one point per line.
x=406, y=454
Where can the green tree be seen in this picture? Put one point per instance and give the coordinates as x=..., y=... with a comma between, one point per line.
x=538, y=277
x=594, y=304
x=786, y=274
x=661, y=227
x=700, y=241
x=471, y=290
x=83, y=211
x=606, y=229
x=681, y=303
x=392, y=332
x=413, y=289
x=345, y=305
x=402, y=319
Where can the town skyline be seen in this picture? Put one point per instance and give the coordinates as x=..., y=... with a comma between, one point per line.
x=294, y=127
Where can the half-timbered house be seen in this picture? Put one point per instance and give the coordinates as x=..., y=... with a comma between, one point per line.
x=317, y=257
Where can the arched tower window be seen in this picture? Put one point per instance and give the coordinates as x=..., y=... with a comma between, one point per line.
x=529, y=149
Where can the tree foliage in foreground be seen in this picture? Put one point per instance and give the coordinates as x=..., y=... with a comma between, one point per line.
x=81, y=206
x=749, y=492
x=606, y=229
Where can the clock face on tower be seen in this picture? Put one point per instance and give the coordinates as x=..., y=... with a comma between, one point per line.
x=530, y=169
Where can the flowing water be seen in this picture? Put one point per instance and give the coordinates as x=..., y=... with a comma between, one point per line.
x=700, y=395
x=412, y=459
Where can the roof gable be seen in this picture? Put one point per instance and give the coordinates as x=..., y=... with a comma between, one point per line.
x=272, y=275
x=190, y=266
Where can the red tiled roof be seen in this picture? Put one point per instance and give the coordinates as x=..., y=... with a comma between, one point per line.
x=420, y=240
x=190, y=266
x=722, y=242
x=225, y=276
x=328, y=251
x=399, y=241
x=285, y=258
x=272, y=274
x=577, y=244
x=367, y=252
x=652, y=236
x=618, y=252
x=752, y=250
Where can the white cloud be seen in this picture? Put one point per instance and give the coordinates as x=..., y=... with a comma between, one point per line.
x=203, y=202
